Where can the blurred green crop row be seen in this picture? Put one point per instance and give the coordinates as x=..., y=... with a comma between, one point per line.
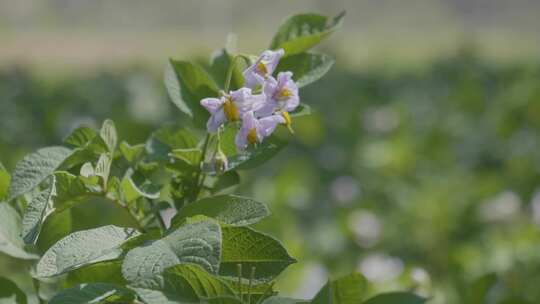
x=424, y=179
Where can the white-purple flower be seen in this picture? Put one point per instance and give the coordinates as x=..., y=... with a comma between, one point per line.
x=230, y=107
x=281, y=95
x=254, y=130
x=263, y=68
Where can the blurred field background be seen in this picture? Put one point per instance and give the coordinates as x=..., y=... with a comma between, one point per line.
x=420, y=167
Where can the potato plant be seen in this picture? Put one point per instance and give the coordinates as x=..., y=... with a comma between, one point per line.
x=206, y=252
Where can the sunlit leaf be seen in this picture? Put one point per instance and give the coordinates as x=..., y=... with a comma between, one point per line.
x=302, y=32
x=83, y=248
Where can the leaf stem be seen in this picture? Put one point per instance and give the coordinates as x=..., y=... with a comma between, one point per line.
x=201, y=164
x=157, y=215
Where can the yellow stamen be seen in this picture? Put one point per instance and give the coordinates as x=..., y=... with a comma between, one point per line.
x=288, y=121
x=284, y=94
x=261, y=68
x=252, y=136
x=230, y=110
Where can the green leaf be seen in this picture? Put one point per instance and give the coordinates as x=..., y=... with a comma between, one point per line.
x=168, y=138
x=281, y=300
x=302, y=32
x=186, y=279
x=302, y=110
x=70, y=189
x=131, y=153
x=135, y=185
x=94, y=293
x=35, y=167
x=103, y=167
x=37, y=210
x=350, y=289
x=228, y=209
x=396, y=298
x=198, y=243
x=219, y=66
x=249, y=159
x=250, y=248
x=109, y=135
x=83, y=248
x=80, y=137
x=187, y=84
x=103, y=272
x=479, y=289
x=306, y=67
x=10, y=228
x=5, y=178
x=225, y=181
x=186, y=283
x=190, y=156
x=10, y=293
x=57, y=226
x=223, y=300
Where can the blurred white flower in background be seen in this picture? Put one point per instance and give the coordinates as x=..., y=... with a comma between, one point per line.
x=502, y=207
x=380, y=267
x=535, y=206
x=344, y=190
x=314, y=277
x=366, y=227
x=380, y=119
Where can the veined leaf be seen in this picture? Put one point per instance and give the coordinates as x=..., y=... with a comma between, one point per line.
x=5, y=178
x=134, y=185
x=80, y=137
x=197, y=243
x=109, y=135
x=103, y=167
x=350, y=289
x=168, y=138
x=228, y=209
x=37, y=210
x=10, y=293
x=83, y=248
x=219, y=65
x=94, y=293
x=11, y=242
x=306, y=67
x=186, y=283
x=188, y=83
x=131, y=153
x=250, y=248
x=396, y=298
x=302, y=32
x=35, y=167
x=190, y=156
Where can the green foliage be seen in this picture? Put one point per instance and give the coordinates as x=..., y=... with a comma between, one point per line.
x=10, y=293
x=301, y=32
x=208, y=254
x=396, y=298
x=11, y=242
x=228, y=209
x=188, y=83
x=35, y=168
x=346, y=290
x=254, y=251
x=83, y=248
x=90, y=293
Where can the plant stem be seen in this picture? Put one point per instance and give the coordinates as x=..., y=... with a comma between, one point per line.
x=201, y=164
x=36, y=287
x=157, y=215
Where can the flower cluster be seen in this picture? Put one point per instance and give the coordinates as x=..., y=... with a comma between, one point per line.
x=260, y=106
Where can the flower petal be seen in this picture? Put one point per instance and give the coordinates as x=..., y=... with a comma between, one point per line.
x=212, y=104
x=215, y=121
